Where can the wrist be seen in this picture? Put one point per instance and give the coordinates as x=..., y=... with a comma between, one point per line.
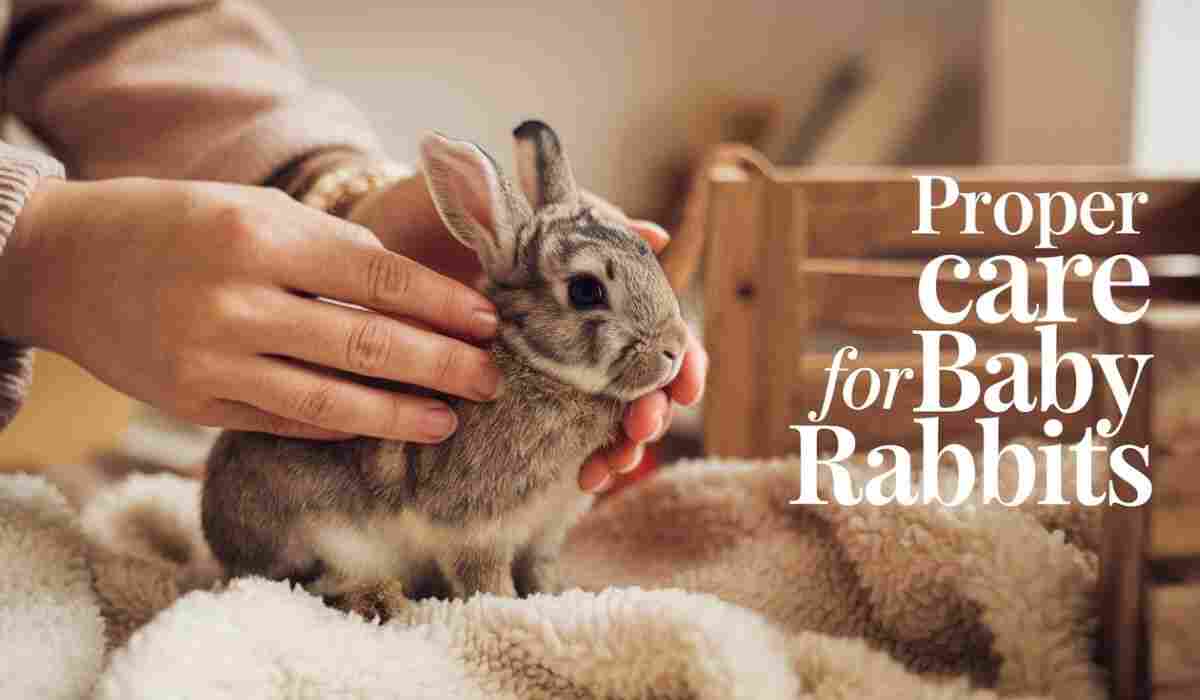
x=297, y=176
x=25, y=265
x=402, y=211
x=341, y=187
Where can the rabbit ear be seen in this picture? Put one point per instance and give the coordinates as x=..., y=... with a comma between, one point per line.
x=542, y=166
x=475, y=201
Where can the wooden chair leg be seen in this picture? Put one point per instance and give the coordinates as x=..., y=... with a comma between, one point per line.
x=754, y=229
x=1124, y=569
x=732, y=310
x=1124, y=605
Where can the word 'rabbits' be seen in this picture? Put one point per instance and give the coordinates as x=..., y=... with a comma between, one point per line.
x=587, y=324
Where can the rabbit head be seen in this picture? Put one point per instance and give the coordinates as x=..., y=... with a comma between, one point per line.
x=580, y=296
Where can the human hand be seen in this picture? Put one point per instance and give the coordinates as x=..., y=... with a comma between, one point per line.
x=199, y=298
x=404, y=218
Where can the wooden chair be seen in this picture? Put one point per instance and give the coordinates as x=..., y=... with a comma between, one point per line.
x=792, y=258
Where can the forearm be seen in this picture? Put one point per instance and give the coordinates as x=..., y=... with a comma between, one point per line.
x=170, y=89
x=21, y=173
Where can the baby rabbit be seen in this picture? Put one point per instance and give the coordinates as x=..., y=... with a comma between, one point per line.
x=588, y=322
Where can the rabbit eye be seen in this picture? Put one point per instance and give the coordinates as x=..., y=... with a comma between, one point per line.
x=586, y=292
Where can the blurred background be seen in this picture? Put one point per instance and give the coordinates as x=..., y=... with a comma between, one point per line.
x=639, y=90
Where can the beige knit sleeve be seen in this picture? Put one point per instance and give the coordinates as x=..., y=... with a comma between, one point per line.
x=189, y=89
x=20, y=172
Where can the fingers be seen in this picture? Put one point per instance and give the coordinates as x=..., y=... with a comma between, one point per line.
x=285, y=389
x=625, y=456
x=665, y=424
x=652, y=233
x=369, y=275
x=235, y=415
x=645, y=418
x=595, y=476
x=371, y=344
x=598, y=472
x=688, y=386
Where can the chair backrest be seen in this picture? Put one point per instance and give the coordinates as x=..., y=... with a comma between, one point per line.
x=795, y=261
x=793, y=258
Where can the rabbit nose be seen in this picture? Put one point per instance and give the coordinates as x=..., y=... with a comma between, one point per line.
x=672, y=342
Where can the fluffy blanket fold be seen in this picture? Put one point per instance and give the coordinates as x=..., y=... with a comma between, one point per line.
x=700, y=583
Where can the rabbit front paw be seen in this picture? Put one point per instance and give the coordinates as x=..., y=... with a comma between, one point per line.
x=537, y=574
x=381, y=601
x=481, y=571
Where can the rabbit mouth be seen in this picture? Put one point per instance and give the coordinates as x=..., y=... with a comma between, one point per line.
x=642, y=374
x=676, y=366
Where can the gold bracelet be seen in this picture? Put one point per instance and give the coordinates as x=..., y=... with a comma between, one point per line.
x=337, y=191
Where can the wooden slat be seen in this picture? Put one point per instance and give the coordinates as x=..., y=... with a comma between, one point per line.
x=1182, y=691
x=1176, y=481
x=876, y=296
x=1175, y=531
x=1124, y=612
x=1174, y=549
x=1176, y=639
x=875, y=425
x=732, y=326
x=861, y=212
x=683, y=256
x=786, y=312
x=879, y=297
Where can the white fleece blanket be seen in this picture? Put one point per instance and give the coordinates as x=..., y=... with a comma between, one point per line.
x=782, y=602
x=51, y=632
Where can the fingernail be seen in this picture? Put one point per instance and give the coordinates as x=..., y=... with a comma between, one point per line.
x=638, y=453
x=604, y=484
x=704, y=360
x=662, y=428
x=439, y=422
x=490, y=383
x=486, y=322
x=659, y=230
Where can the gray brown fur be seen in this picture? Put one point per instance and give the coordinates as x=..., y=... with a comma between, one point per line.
x=370, y=522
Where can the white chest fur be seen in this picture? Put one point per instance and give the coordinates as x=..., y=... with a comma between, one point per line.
x=399, y=546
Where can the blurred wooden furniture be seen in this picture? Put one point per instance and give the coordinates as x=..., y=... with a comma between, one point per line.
x=69, y=417
x=795, y=261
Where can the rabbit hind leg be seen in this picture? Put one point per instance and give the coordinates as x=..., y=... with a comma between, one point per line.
x=480, y=570
x=536, y=571
x=374, y=600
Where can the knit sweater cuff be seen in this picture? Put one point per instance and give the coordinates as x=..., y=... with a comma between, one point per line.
x=20, y=172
